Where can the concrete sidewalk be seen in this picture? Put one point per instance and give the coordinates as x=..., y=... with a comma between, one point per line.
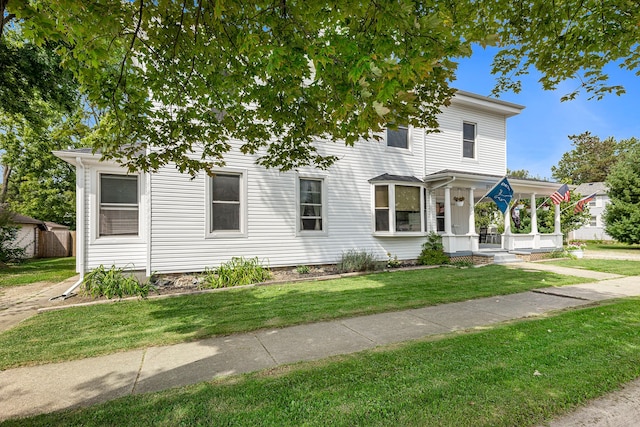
x=47, y=388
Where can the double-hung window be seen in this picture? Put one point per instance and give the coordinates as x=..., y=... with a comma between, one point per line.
x=397, y=208
x=226, y=203
x=398, y=138
x=119, y=205
x=311, y=205
x=469, y=140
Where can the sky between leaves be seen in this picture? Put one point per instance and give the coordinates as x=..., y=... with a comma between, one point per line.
x=537, y=138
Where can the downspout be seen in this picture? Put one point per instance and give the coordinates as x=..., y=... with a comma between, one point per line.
x=80, y=228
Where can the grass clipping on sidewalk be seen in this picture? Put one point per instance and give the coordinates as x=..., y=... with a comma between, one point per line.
x=517, y=374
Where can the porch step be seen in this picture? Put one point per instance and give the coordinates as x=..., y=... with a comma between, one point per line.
x=505, y=258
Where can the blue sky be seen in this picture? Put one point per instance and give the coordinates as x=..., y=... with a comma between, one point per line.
x=537, y=138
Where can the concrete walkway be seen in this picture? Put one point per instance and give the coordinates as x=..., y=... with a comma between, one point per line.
x=47, y=388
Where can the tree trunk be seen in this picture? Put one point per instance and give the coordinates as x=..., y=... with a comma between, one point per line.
x=6, y=173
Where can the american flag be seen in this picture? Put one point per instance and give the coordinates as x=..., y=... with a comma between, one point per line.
x=561, y=194
x=580, y=205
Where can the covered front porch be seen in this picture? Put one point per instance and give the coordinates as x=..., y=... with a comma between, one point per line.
x=452, y=195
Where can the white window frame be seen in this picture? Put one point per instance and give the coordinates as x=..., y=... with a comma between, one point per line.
x=392, y=209
x=325, y=223
x=94, y=229
x=593, y=221
x=475, y=141
x=243, y=211
x=403, y=149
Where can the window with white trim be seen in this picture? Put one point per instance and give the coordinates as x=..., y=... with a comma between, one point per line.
x=119, y=205
x=593, y=222
x=226, y=203
x=469, y=140
x=397, y=208
x=311, y=209
x=398, y=138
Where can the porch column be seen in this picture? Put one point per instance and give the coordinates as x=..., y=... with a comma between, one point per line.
x=556, y=222
x=534, y=215
x=472, y=213
x=447, y=210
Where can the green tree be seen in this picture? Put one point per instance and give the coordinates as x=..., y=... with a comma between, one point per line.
x=572, y=39
x=591, y=159
x=189, y=77
x=36, y=183
x=622, y=215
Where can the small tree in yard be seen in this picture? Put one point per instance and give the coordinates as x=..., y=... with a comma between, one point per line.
x=8, y=233
x=622, y=215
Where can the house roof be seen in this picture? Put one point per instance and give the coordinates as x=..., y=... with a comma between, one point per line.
x=395, y=178
x=589, y=188
x=23, y=219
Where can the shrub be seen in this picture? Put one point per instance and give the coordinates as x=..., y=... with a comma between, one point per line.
x=237, y=272
x=354, y=260
x=113, y=282
x=393, y=262
x=433, y=251
x=303, y=269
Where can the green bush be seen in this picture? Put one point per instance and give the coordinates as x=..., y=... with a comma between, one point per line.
x=113, y=282
x=9, y=252
x=303, y=269
x=237, y=272
x=354, y=260
x=433, y=251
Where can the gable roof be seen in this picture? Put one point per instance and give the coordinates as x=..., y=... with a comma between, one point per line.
x=588, y=188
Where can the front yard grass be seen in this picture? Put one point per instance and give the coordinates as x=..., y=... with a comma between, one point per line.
x=81, y=332
x=519, y=374
x=622, y=267
x=52, y=270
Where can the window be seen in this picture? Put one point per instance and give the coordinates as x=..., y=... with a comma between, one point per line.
x=592, y=203
x=593, y=222
x=398, y=205
x=225, y=203
x=439, y=216
x=311, y=205
x=382, y=207
x=468, y=140
x=398, y=138
x=118, y=205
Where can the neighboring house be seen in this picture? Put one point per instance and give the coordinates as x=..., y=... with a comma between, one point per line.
x=383, y=197
x=28, y=234
x=594, y=229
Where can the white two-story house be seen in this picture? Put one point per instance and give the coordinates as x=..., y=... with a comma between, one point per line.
x=383, y=197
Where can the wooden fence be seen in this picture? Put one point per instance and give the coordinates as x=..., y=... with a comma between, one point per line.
x=60, y=243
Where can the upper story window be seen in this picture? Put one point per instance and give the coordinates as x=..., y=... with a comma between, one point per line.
x=398, y=138
x=469, y=140
x=119, y=205
x=592, y=203
x=397, y=208
x=225, y=201
x=311, y=205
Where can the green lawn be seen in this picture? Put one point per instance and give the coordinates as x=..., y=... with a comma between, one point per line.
x=53, y=270
x=623, y=267
x=89, y=331
x=613, y=246
x=486, y=378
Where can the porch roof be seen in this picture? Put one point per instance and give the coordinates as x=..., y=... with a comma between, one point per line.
x=482, y=183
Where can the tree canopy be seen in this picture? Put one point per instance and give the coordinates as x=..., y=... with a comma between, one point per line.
x=181, y=80
x=622, y=215
x=591, y=159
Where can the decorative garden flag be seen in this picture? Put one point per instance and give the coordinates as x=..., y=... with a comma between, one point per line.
x=502, y=193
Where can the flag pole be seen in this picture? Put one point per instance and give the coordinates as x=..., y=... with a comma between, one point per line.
x=490, y=190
